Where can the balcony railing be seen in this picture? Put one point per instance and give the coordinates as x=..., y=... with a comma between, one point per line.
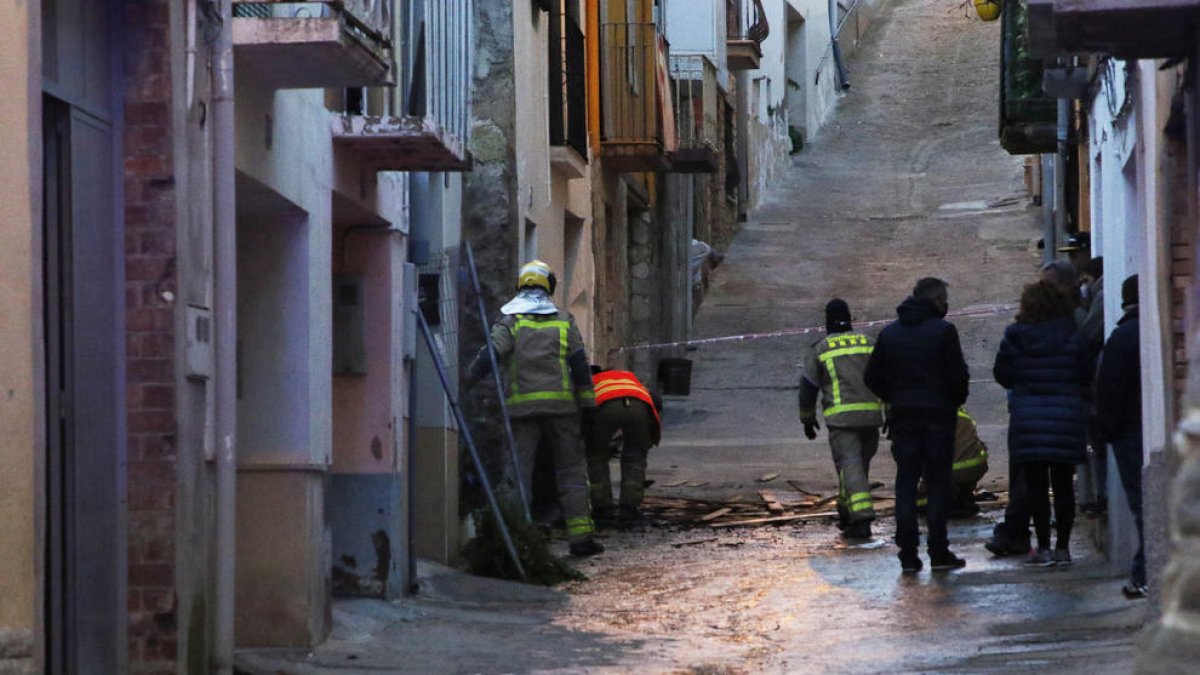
x=319, y=44
x=746, y=25
x=695, y=104
x=430, y=131
x=1027, y=114
x=634, y=92
x=568, y=85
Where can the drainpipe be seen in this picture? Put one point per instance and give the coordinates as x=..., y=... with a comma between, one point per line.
x=843, y=77
x=1060, y=180
x=225, y=314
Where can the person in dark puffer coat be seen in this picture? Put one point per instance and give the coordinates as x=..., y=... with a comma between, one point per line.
x=1044, y=362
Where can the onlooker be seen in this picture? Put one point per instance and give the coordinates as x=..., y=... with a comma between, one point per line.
x=918, y=369
x=1011, y=535
x=1119, y=403
x=1043, y=362
x=1091, y=326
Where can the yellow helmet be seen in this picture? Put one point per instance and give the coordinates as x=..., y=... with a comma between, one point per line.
x=988, y=10
x=537, y=274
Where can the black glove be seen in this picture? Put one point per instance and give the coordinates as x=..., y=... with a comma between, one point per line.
x=810, y=429
x=886, y=430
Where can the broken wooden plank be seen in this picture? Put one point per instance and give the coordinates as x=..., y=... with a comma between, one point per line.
x=799, y=488
x=775, y=520
x=771, y=501
x=715, y=514
x=674, y=483
x=768, y=477
x=697, y=483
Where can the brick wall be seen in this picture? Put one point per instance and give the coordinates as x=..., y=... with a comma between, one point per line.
x=150, y=276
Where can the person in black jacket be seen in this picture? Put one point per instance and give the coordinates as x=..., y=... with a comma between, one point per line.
x=918, y=370
x=1119, y=408
x=1044, y=364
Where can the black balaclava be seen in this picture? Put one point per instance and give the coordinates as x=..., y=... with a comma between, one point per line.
x=837, y=316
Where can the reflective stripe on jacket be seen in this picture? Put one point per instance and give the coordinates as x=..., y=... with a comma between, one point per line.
x=970, y=453
x=614, y=384
x=536, y=349
x=836, y=365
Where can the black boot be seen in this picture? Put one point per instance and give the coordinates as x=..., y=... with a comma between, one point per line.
x=944, y=561
x=628, y=517
x=586, y=547
x=858, y=532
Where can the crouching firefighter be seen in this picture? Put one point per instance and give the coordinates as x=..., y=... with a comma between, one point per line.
x=548, y=388
x=623, y=404
x=970, y=466
x=834, y=369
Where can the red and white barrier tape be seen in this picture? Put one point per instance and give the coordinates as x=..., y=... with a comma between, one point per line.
x=968, y=313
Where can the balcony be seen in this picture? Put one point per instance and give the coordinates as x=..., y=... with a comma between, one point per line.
x=568, y=96
x=746, y=24
x=634, y=95
x=309, y=45
x=695, y=106
x=431, y=131
x=1128, y=29
x=1028, y=116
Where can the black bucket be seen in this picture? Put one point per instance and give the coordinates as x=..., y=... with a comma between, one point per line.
x=675, y=376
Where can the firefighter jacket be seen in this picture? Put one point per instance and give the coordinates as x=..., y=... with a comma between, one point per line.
x=612, y=385
x=970, y=453
x=546, y=365
x=835, y=368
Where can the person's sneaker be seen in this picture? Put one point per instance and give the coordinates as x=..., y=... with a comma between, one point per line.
x=1134, y=591
x=944, y=561
x=586, y=547
x=1061, y=557
x=910, y=563
x=1039, y=557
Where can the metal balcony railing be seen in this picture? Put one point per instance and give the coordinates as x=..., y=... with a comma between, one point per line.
x=438, y=72
x=370, y=19
x=695, y=101
x=568, y=85
x=317, y=44
x=628, y=84
x=746, y=20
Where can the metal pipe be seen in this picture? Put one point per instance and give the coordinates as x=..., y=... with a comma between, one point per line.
x=1060, y=176
x=834, y=29
x=225, y=314
x=491, y=349
x=470, y=441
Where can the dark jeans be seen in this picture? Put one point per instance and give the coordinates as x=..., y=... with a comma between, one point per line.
x=1127, y=451
x=923, y=445
x=1039, y=477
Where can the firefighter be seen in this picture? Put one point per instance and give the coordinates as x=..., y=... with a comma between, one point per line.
x=548, y=389
x=970, y=465
x=853, y=414
x=623, y=404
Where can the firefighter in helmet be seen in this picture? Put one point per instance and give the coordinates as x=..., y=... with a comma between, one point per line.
x=548, y=388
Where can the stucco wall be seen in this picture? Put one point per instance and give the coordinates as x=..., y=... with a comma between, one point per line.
x=19, y=332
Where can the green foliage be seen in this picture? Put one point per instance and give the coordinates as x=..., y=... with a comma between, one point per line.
x=486, y=555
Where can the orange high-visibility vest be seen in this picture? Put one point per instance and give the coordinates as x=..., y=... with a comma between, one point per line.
x=613, y=384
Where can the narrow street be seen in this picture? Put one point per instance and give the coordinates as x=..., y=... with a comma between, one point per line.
x=908, y=180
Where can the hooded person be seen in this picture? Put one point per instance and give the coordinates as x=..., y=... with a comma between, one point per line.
x=918, y=370
x=548, y=391
x=833, y=371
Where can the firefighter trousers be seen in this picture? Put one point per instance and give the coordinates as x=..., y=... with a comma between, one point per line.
x=635, y=421
x=561, y=433
x=853, y=448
